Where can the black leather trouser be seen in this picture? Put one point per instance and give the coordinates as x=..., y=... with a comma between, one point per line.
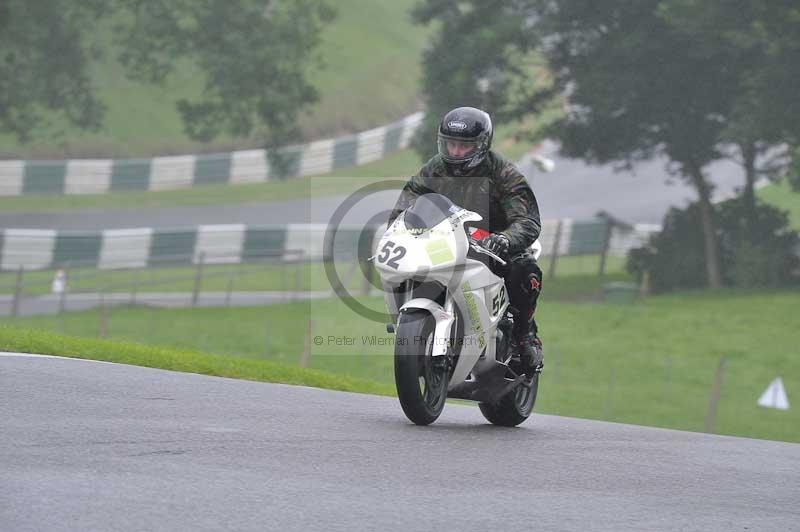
x=524, y=284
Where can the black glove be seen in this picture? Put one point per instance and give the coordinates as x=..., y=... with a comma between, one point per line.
x=498, y=244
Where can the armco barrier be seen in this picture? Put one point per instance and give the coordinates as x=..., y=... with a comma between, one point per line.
x=33, y=249
x=100, y=176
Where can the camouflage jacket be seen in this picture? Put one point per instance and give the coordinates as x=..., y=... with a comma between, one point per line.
x=495, y=189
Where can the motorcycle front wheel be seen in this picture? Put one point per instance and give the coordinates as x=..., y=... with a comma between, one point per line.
x=515, y=407
x=421, y=379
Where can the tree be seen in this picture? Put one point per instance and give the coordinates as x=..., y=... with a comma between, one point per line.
x=765, y=38
x=793, y=172
x=638, y=87
x=254, y=54
x=480, y=56
x=685, y=78
x=45, y=55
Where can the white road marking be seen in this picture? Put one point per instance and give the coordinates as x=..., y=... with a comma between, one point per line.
x=33, y=355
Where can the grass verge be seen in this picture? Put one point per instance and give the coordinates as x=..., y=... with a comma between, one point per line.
x=16, y=339
x=210, y=195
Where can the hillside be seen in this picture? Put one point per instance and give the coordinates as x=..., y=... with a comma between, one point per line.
x=368, y=75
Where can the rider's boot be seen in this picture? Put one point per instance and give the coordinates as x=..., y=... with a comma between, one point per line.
x=531, y=356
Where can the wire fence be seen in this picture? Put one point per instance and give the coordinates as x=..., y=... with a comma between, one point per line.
x=267, y=280
x=41, y=265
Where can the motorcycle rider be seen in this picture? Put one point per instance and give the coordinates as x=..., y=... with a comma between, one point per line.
x=476, y=178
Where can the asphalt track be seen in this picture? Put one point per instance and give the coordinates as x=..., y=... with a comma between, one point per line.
x=102, y=447
x=573, y=190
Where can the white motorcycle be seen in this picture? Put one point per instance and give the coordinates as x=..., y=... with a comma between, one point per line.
x=452, y=318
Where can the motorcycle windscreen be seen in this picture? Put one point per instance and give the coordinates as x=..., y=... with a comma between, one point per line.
x=428, y=211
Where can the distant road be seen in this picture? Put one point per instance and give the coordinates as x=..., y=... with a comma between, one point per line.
x=88, y=446
x=50, y=304
x=574, y=190
x=643, y=195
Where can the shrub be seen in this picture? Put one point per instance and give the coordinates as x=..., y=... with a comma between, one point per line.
x=758, y=250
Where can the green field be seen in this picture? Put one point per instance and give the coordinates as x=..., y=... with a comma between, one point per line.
x=651, y=363
x=370, y=67
x=783, y=197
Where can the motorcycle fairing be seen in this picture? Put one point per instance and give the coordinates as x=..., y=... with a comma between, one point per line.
x=442, y=252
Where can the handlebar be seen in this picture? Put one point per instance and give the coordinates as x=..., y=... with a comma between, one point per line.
x=478, y=248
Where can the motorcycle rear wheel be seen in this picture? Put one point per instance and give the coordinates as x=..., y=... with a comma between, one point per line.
x=514, y=408
x=421, y=380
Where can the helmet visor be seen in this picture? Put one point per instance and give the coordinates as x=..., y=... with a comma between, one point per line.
x=457, y=150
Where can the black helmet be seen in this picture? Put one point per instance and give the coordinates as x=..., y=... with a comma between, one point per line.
x=472, y=129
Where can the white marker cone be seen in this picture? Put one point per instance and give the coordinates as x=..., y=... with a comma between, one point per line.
x=774, y=396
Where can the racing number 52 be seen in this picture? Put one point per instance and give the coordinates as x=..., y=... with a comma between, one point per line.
x=389, y=249
x=498, y=300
